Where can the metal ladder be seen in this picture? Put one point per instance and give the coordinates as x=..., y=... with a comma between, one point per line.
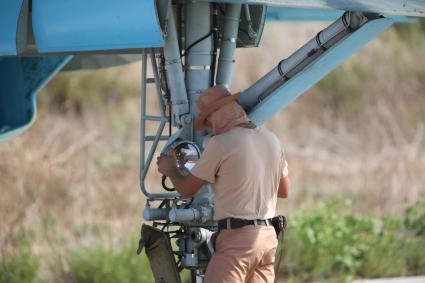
x=163, y=119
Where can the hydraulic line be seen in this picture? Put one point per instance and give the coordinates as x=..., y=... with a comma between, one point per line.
x=174, y=68
x=251, y=32
x=226, y=60
x=289, y=67
x=215, y=43
x=198, y=60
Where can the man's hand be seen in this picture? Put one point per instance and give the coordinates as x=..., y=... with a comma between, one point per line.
x=188, y=185
x=167, y=165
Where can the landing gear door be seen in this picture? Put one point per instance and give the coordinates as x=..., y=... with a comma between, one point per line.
x=158, y=249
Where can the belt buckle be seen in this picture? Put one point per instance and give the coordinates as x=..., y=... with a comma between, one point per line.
x=262, y=222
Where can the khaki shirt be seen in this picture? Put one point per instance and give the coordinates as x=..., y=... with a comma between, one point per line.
x=244, y=167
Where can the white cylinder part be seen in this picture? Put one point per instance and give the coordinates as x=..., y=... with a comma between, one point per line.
x=173, y=65
x=226, y=59
x=178, y=215
x=150, y=214
x=300, y=55
x=334, y=29
x=344, y=25
x=249, y=98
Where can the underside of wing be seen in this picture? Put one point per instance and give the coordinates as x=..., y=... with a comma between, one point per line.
x=415, y=8
x=39, y=38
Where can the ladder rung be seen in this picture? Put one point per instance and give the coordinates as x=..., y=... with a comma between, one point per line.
x=152, y=138
x=152, y=118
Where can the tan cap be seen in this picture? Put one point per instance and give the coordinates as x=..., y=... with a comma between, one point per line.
x=210, y=101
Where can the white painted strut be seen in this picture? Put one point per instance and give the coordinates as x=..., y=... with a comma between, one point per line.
x=226, y=59
x=179, y=215
x=173, y=66
x=151, y=214
x=193, y=214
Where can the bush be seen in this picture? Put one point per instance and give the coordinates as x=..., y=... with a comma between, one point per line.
x=18, y=268
x=329, y=242
x=326, y=242
x=100, y=265
x=385, y=256
x=414, y=227
x=20, y=264
x=414, y=219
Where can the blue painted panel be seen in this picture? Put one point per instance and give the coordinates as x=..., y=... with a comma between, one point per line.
x=414, y=8
x=9, y=18
x=302, y=14
x=317, y=70
x=20, y=81
x=95, y=25
x=310, y=14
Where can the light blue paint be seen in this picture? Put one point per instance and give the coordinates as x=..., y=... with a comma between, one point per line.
x=319, y=14
x=302, y=14
x=95, y=25
x=9, y=18
x=317, y=70
x=414, y=8
x=20, y=81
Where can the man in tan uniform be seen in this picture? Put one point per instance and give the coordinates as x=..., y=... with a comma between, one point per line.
x=247, y=169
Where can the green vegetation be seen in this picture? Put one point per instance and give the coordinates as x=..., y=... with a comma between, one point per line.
x=415, y=218
x=100, y=265
x=330, y=242
x=20, y=267
x=19, y=264
x=327, y=242
x=411, y=34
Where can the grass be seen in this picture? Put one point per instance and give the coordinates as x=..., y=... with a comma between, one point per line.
x=411, y=34
x=74, y=91
x=19, y=264
x=329, y=242
x=19, y=267
x=100, y=265
x=345, y=87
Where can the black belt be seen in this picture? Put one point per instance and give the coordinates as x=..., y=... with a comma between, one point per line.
x=239, y=223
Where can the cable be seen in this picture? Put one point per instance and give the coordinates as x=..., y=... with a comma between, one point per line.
x=166, y=90
x=215, y=44
x=221, y=10
x=164, y=185
x=188, y=204
x=196, y=42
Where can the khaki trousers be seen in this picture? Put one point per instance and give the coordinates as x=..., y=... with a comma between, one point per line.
x=243, y=255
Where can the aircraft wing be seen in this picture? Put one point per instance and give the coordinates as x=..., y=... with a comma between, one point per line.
x=39, y=38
